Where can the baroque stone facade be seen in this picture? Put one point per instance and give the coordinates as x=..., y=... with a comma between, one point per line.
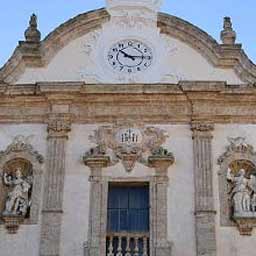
x=184, y=132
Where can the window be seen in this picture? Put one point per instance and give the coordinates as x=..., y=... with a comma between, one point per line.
x=128, y=219
x=128, y=209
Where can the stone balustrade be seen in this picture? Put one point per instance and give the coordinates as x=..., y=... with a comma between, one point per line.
x=127, y=244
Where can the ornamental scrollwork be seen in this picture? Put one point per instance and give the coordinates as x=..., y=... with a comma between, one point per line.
x=21, y=144
x=128, y=144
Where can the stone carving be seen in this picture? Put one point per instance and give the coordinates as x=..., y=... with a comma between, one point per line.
x=149, y=7
x=128, y=144
x=21, y=144
x=18, y=200
x=32, y=34
x=236, y=146
x=238, y=185
x=59, y=125
x=21, y=173
x=228, y=35
x=242, y=192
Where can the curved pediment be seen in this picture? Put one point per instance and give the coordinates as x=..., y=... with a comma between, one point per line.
x=69, y=53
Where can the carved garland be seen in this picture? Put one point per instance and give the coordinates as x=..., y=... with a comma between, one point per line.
x=20, y=187
x=237, y=181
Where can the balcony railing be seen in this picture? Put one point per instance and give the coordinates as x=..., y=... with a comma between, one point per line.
x=127, y=244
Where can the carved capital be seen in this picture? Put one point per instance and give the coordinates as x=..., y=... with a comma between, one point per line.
x=96, y=159
x=161, y=160
x=59, y=125
x=97, y=162
x=202, y=129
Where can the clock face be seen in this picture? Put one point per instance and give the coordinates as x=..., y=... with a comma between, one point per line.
x=130, y=56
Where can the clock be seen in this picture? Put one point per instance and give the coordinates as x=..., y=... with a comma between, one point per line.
x=130, y=56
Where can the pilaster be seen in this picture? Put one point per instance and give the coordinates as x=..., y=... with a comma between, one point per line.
x=98, y=205
x=204, y=200
x=58, y=127
x=160, y=246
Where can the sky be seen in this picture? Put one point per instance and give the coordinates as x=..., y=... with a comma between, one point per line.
x=206, y=14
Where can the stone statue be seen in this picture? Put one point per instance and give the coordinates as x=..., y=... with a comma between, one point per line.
x=241, y=191
x=18, y=199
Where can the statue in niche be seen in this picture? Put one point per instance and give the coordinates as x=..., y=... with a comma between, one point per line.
x=18, y=199
x=243, y=191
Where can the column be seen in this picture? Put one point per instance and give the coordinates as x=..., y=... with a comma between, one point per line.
x=58, y=127
x=204, y=199
x=98, y=205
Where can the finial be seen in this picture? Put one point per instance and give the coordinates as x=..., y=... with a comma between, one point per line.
x=32, y=34
x=228, y=35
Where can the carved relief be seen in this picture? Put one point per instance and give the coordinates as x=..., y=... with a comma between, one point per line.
x=128, y=144
x=59, y=125
x=21, y=183
x=238, y=185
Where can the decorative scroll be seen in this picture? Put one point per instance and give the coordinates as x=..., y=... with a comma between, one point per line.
x=128, y=144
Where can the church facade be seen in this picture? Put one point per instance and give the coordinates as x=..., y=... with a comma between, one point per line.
x=128, y=132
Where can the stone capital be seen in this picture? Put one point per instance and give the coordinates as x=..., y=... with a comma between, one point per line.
x=96, y=162
x=59, y=125
x=202, y=129
x=160, y=164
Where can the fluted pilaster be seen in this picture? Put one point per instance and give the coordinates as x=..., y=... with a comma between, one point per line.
x=204, y=200
x=58, y=127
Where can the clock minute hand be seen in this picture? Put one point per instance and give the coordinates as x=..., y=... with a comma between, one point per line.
x=127, y=55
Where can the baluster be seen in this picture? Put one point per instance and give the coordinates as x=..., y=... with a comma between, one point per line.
x=145, y=246
x=119, y=248
x=128, y=249
x=136, y=249
x=110, y=248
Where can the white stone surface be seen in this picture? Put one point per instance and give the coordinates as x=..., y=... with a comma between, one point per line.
x=229, y=241
x=72, y=63
x=26, y=241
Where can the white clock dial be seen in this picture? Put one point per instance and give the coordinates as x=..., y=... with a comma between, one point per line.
x=130, y=56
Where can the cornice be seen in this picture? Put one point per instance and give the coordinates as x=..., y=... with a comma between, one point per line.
x=40, y=54
x=154, y=103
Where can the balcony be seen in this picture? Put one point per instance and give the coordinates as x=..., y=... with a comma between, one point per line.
x=127, y=244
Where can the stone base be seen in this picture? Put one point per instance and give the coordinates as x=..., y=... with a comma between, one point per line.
x=12, y=222
x=245, y=222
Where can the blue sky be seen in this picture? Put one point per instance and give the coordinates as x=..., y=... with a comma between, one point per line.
x=206, y=14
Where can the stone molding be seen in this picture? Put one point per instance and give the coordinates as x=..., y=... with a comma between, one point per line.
x=173, y=104
x=38, y=55
x=21, y=148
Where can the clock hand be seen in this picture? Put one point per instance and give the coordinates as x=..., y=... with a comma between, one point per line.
x=127, y=55
x=141, y=57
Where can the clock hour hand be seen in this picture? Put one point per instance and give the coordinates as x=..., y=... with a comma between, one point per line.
x=127, y=55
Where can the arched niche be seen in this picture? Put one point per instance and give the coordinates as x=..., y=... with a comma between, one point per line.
x=20, y=154
x=238, y=155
